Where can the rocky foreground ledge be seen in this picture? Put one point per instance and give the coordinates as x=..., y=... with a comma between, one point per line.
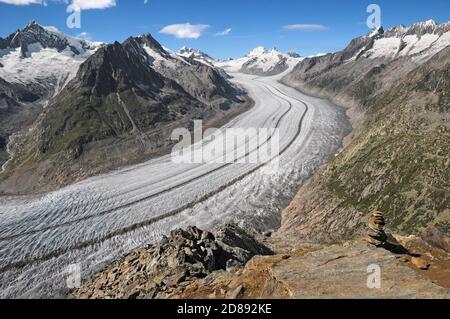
x=233, y=264
x=164, y=269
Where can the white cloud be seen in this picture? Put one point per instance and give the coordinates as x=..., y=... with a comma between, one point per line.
x=223, y=33
x=185, y=30
x=92, y=4
x=22, y=2
x=306, y=27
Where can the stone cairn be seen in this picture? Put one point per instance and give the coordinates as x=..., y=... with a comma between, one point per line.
x=376, y=235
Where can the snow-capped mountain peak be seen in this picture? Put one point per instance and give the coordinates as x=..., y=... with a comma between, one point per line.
x=262, y=61
x=152, y=44
x=165, y=60
x=427, y=23
x=151, y=51
x=196, y=55
x=258, y=51
x=46, y=37
x=42, y=56
x=188, y=51
x=376, y=32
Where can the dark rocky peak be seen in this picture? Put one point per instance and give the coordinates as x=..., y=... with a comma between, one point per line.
x=140, y=46
x=152, y=44
x=133, y=45
x=32, y=24
x=361, y=44
x=113, y=67
x=146, y=40
x=377, y=32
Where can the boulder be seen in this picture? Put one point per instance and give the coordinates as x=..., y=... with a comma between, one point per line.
x=420, y=263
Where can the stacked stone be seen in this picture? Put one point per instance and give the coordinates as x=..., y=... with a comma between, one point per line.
x=376, y=235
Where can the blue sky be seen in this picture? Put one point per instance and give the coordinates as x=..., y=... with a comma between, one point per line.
x=252, y=22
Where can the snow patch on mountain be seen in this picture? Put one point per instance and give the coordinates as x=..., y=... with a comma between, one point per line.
x=159, y=60
x=420, y=41
x=44, y=56
x=40, y=65
x=84, y=47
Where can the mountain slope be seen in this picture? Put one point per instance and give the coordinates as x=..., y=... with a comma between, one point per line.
x=200, y=79
x=398, y=160
x=35, y=64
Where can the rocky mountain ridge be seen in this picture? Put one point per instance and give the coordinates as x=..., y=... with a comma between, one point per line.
x=396, y=159
x=420, y=41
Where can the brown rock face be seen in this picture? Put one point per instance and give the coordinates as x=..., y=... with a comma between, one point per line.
x=430, y=258
x=318, y=272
